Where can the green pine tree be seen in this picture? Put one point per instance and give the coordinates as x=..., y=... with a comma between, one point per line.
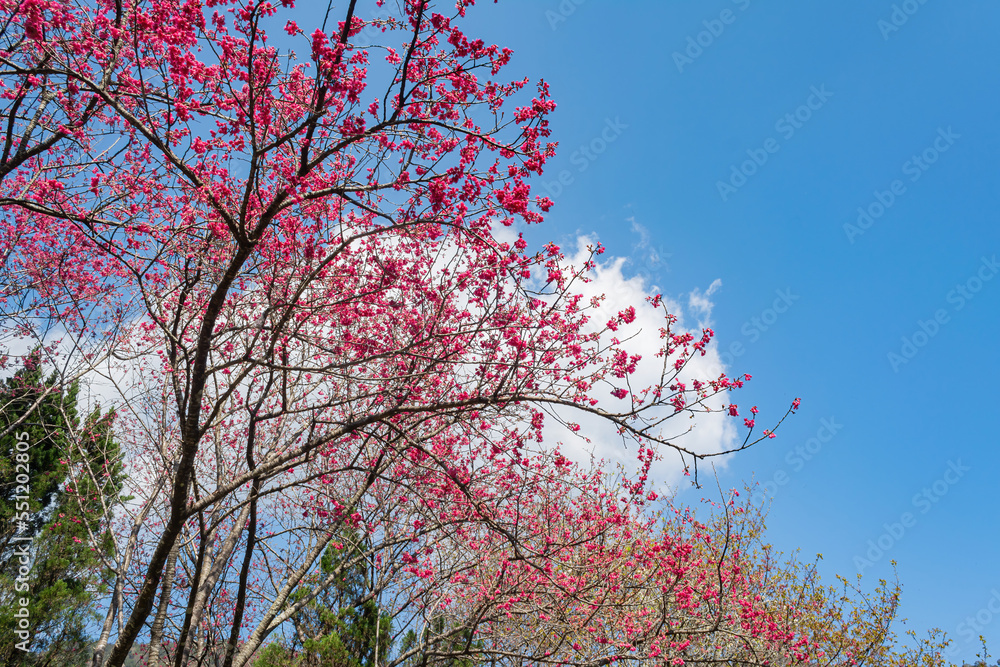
x=74, y=477
x=445, y=646
x=45, y=413
x=342, y=626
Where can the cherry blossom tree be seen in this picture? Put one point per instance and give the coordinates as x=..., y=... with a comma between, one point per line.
x=295, y=246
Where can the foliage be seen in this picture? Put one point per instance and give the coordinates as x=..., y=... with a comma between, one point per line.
x=341, y=625
x=37, y=408
x=75, y=475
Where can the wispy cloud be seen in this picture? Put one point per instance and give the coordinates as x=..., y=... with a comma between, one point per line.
x=700, y=303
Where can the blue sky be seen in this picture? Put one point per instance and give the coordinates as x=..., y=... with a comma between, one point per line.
x=899, y=118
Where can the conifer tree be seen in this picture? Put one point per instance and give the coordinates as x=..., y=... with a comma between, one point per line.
x=74, y=476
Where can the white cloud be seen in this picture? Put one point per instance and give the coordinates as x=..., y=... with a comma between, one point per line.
x=646, y=257
x=702, y=433
x=700, y=303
